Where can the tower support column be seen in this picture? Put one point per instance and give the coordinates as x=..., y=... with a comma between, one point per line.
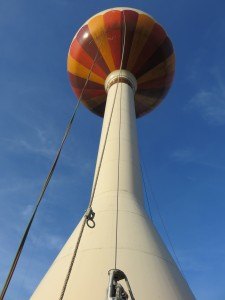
x=120, y=165
x=123, y=238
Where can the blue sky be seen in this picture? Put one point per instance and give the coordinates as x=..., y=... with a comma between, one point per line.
x=182, y=142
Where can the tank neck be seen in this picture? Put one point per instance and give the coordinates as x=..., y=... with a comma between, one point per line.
x=121, y=76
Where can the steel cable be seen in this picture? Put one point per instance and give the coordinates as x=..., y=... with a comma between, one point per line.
x=161, y=218
x=45, y=185
x=118, y=166
x=94, y=185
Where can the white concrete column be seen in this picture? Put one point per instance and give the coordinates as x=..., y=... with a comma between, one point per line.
x=120, y=147
x=118, y=205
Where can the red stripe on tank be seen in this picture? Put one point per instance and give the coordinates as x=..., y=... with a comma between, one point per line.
x=99, y=109
x=131, y=18
x=160, y=55
x=153, y=92
x=155, y=39
x=78, y=53
x=87, y=42
x=87, y=94
x=112, y=21
x=79, y=82
x=158, y=83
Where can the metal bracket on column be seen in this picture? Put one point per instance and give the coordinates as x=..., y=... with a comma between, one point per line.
x=90, y=217
x=115, y=289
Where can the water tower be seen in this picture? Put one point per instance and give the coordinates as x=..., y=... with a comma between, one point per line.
x=121, y=65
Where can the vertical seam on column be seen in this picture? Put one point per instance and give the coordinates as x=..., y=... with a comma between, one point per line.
x=117, y=202
x=118, y=183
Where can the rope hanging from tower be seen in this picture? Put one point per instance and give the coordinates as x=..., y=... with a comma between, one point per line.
x=118, y=166
x=44, y=187
x=159, y=213
x=96, y=180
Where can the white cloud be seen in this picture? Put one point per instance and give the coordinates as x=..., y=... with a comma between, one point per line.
x=40, y=146
x=46, y=240
x=184, y=155
x=42, y=149
x=190, y=261
x=211, y=101
x=189, y=155
x=194, y=258
x=26, y=212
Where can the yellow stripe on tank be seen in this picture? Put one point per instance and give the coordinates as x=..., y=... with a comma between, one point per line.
x=78, y=69
x=161, y=70
x=96, y=27
x=142, y=31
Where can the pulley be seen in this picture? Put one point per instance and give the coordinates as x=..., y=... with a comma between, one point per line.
x=115, y=289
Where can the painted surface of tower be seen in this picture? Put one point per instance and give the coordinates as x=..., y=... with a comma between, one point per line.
x=132, y=64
